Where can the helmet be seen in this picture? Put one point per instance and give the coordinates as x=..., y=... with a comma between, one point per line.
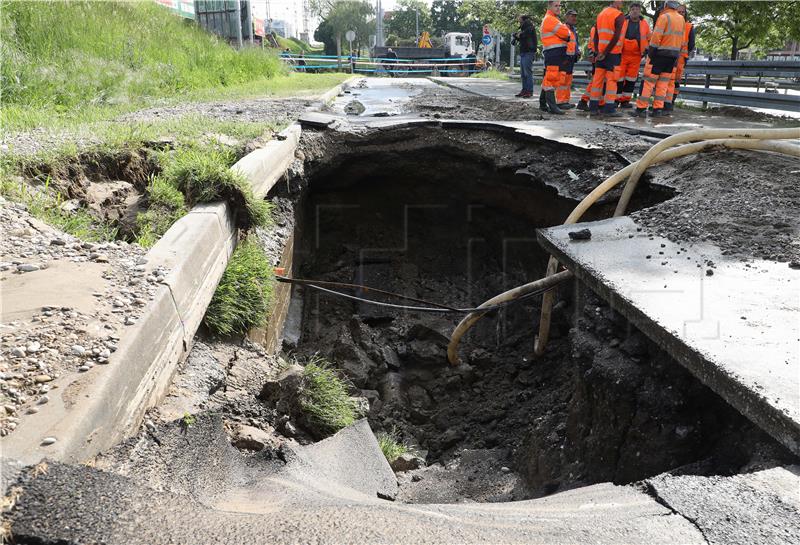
x=671, y=4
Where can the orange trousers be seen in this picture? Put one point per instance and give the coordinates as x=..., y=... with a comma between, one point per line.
x=601, y=76
x=675, y=82
x=585, y=97
x=564, y=89
x=658, y=83
x=627, y=74
x=552, y=78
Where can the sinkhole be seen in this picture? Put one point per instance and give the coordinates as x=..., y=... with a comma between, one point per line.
x=449, y=216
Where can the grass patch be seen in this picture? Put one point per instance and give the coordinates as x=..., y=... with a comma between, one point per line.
x=46, y=204
x=244, y=294
x=492, y=73
x=165, y=206
x=324, y=397
x=204, y=175
x=391, y=446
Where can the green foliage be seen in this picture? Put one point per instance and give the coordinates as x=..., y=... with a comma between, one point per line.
x=324, y=397
x=243, y=297
x=403, y=22
x=339, y=16
x=391, y=446
x=62, y=56
x=491, y=74
x=188, y=420
x=165, y=207
x=204, y=175
x=45, y=204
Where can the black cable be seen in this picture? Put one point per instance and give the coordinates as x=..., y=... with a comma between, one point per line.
x=442, y=309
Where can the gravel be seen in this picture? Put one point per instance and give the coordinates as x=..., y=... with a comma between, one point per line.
x=58, y=341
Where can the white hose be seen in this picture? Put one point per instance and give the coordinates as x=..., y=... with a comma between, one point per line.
x=755, y=139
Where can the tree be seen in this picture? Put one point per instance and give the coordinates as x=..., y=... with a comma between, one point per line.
x=742, y=25
x=339, y=16
x=445, y=17
x=404, y=19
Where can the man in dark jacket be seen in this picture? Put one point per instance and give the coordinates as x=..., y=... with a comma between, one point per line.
x=526, y=37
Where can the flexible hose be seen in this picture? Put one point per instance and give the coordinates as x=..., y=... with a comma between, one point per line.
x=752, y=140
x=690, y=136
x=469, y=320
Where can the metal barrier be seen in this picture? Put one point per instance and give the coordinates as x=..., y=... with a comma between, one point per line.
x=749, y=70
x=391, y=66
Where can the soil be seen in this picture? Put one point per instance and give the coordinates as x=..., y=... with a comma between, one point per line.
x=744, y=202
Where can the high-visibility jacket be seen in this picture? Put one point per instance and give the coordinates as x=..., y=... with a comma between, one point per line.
x=606, y=25
x=572, y=44
x=590, y=46
x=667, y=35
x=553, y=32
x=687, y=31
x=635, y=47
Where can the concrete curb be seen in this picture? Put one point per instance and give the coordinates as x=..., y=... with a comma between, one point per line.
x=92, y=411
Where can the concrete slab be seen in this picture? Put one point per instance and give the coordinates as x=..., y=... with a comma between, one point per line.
x=737, y=330
x=754, y=508
x=265, y=166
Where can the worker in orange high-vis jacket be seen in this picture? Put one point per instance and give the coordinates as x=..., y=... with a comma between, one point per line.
x=608, y=45
x=635, y=38
x=663, y=52
x=554, y=36
x=583, y=104
x=564, y=90
x=686, y=49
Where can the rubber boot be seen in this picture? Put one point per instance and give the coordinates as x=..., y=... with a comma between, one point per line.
x=550, y=97
x=543, y=102
x=565, y=106
x=658, y=113
x=667, y=111
x=583, y=106
x=626, y=105
x=639, y=112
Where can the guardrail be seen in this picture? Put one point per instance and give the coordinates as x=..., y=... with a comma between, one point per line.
x=752, y=71
x=380, y=65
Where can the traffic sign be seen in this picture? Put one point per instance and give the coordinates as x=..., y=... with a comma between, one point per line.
x=350, y=35
x=486, y=30
x=486, y=39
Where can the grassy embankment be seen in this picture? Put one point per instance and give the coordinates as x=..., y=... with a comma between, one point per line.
x=72, y=68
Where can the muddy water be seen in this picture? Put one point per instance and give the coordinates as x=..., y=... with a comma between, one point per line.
x=602, y=405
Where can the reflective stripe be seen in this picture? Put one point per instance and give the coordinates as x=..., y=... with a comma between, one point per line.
x=554, y=46
x=606, y=31
x=659, y=97
x=604, y=41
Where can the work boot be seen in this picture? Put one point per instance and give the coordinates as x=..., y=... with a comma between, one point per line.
x=550, y=97
x=543, y=102
x=583, y=106
x=625, y=105
x=658, y=113
x=565, y=106
x=526, y=94
x=667, y=111
x=518, y=95
x=610, y=110
x=639, y=112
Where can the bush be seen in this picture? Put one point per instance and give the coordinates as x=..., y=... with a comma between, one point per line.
x=204, y=175
x=243, y=297
x=324, y=397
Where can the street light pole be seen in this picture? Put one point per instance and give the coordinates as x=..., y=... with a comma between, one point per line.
x=379, y=25
x=416, y=11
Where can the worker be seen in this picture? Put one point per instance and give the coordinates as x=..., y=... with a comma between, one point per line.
x=564, y=90
x=555, y=36
x=526, y=37
x=583, y=104
x=635, y=39
x=663, y=53
x=609, y=55
x=686, y=50
x=388, y=61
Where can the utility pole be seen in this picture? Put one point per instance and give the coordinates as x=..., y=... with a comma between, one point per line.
x=238, y=23
x=416, y=39
x=379, y=25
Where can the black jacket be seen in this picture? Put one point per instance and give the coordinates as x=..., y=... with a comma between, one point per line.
x=527, y=37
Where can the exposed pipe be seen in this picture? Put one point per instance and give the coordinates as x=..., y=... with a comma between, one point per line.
x=750, y=140
x=469, y=320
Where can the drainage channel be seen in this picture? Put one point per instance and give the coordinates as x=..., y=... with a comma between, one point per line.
x=430, y=215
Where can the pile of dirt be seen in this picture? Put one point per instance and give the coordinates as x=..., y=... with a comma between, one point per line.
x=744, y=202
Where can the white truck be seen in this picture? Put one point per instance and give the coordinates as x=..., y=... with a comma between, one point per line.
x=456, y=58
